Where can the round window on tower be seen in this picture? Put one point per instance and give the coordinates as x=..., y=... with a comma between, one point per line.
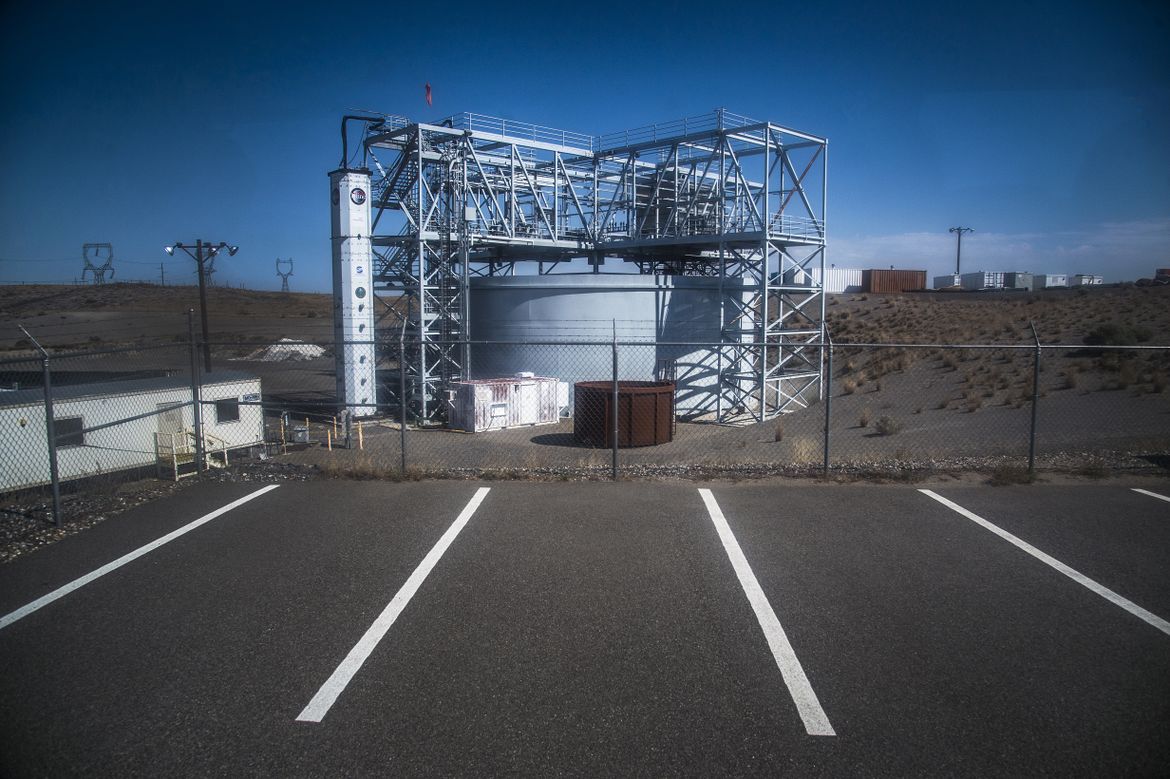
x=359, y=292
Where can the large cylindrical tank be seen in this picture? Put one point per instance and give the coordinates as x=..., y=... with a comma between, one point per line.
x=677, y=318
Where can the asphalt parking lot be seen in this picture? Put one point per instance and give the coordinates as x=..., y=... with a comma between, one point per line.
x=363, y=628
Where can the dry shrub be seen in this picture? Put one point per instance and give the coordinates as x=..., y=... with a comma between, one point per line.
x=887, y=426
x=866, y=418
x=1126, y=374
x=806, y=449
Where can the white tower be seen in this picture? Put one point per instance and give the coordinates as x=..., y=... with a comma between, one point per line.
x=353, y=303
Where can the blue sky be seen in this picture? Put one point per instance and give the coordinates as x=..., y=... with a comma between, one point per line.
x=1044, y=126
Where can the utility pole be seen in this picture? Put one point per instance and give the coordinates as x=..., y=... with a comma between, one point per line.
x=162, y=274
x=958, y=231
x=204, y=255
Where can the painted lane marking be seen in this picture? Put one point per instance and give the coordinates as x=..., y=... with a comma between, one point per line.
x=1152, y=494
x=1071, y=573
x=317, y=708
x=811, y=713
x=60, y=592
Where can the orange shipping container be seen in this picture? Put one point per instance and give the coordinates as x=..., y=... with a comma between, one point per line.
x=893, y=280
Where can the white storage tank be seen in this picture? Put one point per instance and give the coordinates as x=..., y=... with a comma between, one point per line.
x=571, y=317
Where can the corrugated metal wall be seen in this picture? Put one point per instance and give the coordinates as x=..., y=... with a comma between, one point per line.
x=498, y=404
x=893, y=280
x=983, y=280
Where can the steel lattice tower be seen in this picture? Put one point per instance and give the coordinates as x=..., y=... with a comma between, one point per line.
x=718, y=195
x=284, y=274
x=91, y=255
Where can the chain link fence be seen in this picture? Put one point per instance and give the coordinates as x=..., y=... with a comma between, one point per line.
x=580, y=410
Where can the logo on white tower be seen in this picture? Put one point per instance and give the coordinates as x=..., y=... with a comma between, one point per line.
x=357, y=195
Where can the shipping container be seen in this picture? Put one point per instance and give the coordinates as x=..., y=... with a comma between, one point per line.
x=982, y=280
x=948, y=281
x=1019, y=281
x=837, y=280
x=1085, y=280
x=893, y=280
x=1050, y=281
x=498, y=404
x=798, y=277
x=1162, y=273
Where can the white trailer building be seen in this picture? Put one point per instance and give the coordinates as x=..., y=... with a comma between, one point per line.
x=112, y=426
x=1085, y=280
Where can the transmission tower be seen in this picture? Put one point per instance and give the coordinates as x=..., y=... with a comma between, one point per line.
x=283, y=275
x=93, y=253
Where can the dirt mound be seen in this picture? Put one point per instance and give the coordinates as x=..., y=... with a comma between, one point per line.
x=287, y=350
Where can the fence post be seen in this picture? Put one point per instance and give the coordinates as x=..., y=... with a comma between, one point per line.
x=828, y=386
x=50, y=429
x=196, y=395
x=402, y=396
x=1035, y=401
x=614, y=406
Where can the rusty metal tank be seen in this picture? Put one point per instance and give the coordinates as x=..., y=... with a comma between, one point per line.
x=645, y=413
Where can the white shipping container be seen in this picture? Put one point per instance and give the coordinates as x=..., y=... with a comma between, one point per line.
x=480, y=405
x=1050, y=280
x=949, y=280
x=837, y=280
x=982, y=280
x=1085, y=280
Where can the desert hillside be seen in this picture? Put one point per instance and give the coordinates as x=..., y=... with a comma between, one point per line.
x=77, y=316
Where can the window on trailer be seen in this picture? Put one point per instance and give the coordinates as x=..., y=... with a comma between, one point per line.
x=227, y=410
x=69, y=431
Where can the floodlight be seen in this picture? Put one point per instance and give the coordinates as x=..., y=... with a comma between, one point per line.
x=232, y=250
x=169, y=250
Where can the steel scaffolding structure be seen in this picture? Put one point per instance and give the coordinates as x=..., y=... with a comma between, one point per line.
x=718, y=195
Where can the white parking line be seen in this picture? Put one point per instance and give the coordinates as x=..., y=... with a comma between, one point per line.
x=1152, y=494
x=317, y=708
x=811, y=713
x=1071, y=573
x=60, y=592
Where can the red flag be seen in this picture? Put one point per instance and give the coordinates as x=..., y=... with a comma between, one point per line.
x=428, y=93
